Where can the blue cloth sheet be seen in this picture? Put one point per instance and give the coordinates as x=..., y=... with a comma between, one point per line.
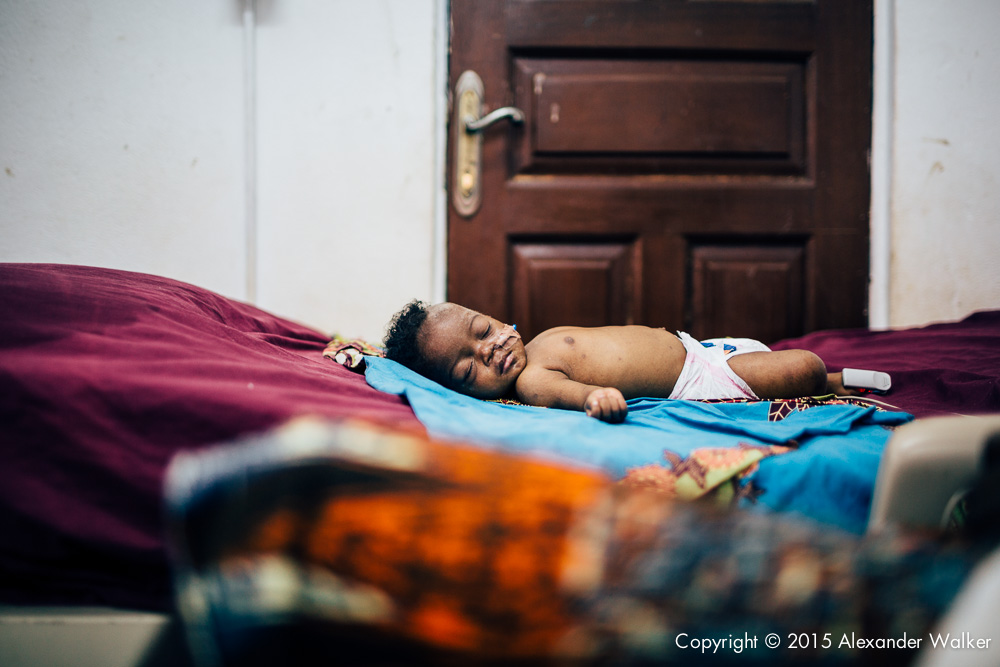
x=829, y=477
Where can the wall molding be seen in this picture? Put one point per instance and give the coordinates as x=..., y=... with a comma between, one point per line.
x=882, y=158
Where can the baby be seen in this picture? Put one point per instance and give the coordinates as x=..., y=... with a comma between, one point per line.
x=594, y=369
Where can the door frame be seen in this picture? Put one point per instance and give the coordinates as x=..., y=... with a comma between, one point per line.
x=880, y=218
x=883, y=108
x=439, y=247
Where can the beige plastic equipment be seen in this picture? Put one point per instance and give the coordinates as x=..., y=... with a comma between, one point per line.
x=927, y=467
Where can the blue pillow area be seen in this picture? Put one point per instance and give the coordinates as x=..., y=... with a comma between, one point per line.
x=829, y=477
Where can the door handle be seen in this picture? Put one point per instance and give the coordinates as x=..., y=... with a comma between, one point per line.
x=515, y=115
x=469, y=123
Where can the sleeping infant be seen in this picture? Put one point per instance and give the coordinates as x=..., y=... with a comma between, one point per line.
x=594, y=369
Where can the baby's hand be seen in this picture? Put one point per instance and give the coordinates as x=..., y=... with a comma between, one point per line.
x=606, y=404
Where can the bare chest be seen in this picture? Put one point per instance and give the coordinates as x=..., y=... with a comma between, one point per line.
x=639, y=361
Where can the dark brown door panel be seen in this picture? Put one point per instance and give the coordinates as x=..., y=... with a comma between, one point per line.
x=660, y=115
x=687, y=164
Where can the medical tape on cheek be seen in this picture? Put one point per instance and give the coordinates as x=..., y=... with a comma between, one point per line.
x=502, y=336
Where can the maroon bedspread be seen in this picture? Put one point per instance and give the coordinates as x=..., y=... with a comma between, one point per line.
x=104, y=375
x=939, y=369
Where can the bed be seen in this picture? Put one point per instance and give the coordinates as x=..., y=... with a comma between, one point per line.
x=106, y=375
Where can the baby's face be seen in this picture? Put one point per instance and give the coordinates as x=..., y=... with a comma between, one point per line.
x=470, y=352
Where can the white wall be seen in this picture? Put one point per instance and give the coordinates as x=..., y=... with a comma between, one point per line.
x=120, y=137
x=945, y=201
x=123, y=143
x=346, y=159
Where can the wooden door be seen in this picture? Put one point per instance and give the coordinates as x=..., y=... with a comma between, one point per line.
x=693, y=164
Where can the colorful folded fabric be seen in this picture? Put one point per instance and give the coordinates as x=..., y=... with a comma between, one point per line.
x=351, y=353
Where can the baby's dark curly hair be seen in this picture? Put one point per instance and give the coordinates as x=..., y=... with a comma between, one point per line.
x=401, y=336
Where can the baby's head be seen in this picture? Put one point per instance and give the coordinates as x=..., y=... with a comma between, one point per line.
x=464, y=350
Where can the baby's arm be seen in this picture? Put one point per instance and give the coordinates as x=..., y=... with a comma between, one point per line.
x=553, y=389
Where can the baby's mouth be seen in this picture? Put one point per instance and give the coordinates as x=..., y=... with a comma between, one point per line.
x=507, y=362
x=499, y=357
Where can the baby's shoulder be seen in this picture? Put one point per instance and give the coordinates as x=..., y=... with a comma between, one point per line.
x=530, y=381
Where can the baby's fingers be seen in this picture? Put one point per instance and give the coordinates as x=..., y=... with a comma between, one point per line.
x=618, y=408
x=595, y=404
x=607, y=405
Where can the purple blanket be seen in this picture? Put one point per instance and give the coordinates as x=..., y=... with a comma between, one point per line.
x=940, y=369
x=104, y=375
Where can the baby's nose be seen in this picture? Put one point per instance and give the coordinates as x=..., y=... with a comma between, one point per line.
x=502, y=335
x=497, y=340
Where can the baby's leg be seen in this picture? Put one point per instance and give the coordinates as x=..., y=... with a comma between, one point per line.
x=782, y=374
x=835, y=385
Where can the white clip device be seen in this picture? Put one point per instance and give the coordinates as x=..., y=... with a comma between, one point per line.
x=873, y=381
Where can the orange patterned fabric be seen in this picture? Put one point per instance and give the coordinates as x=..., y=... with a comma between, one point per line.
x=348, y=544
x=473, y=548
